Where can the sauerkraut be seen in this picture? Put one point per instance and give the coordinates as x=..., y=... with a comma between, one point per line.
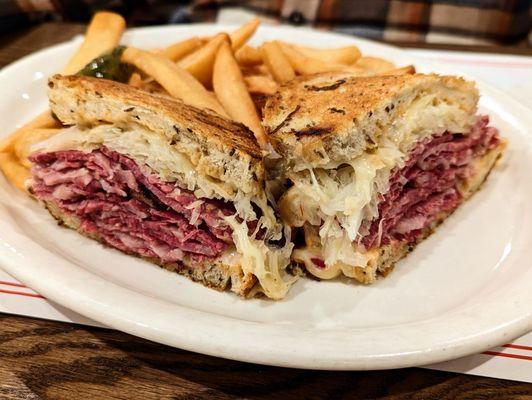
x=338, y=200
x=152, y=149
x=267, y=263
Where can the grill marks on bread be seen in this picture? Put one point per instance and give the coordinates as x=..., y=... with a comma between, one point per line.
x=332, y=86
x=334, y=117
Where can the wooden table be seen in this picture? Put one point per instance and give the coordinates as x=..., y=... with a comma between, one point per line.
x=51, y=360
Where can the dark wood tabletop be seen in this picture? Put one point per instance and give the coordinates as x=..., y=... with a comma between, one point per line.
x=52, y=360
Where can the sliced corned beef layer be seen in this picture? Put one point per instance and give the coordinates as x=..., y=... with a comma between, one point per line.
x=427, y=184
x=130, y=207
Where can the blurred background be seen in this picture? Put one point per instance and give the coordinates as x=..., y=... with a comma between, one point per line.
x=468, y=22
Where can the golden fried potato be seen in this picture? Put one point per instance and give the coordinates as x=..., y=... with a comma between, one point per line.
x=103, y=34
x=22, y=147
x=261, y=84
x=306, y=65
x=244, y=33
x=278, y=64
x=200, y=62
x=14, y=171
x=342, y=55
x=181, y=49
x=248, y=56
x=175, y=80
x=374, y=64
x=232, y=92
x=407, y=70
x=43, y=120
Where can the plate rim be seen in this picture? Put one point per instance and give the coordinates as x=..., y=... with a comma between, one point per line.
x=87, y=306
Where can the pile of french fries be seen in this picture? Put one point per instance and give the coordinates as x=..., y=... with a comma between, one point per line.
x=221, y=73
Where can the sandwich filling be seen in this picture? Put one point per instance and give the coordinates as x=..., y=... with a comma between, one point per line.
x=428, y=184
x=382, y=197
x=128, y=189
x=130, y=208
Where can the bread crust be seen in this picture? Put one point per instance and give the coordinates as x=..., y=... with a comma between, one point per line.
x=335, y=117
x=218, y=148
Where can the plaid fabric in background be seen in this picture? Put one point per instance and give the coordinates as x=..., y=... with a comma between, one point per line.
x=506, y=22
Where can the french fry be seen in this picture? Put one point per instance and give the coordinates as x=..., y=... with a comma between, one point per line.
x=152, y=86
x=253, y=70
x=248, y=56
x=13, y=170
x=261, y=84
x=200, y=62
x=43, y=120
x=306, y=65
x=260, y=69
x=343, y=55
x=103, y=34
x=244, y=33
x=277, y=63
x=135, y=80
x=374, y=64
x=175, y=80
x=181, y=49
x=407, y=70
x=232, y=92
x=22, y=147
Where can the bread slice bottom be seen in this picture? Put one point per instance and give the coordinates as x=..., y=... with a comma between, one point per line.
x=216, y=274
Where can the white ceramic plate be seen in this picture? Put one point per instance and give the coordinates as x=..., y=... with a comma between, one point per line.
x=465, y=289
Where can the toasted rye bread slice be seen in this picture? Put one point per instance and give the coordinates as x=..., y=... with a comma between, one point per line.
x=389, y=254
x=213, y=274
x=218, y=148
x=329, y=119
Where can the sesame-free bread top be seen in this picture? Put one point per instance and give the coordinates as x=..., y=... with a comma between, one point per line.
x=218, y=148
x=328, y=119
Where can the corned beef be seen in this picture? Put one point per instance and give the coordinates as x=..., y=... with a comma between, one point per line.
x=427, y=184
x=130, y=207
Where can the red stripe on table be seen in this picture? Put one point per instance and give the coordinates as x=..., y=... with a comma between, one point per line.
x=12, y=284
x=508, y=355
x=517, y=346
x=21, y=293
x=487, y=63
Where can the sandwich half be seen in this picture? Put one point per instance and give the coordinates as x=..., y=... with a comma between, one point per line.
x=153, y=177
x=374, y=164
